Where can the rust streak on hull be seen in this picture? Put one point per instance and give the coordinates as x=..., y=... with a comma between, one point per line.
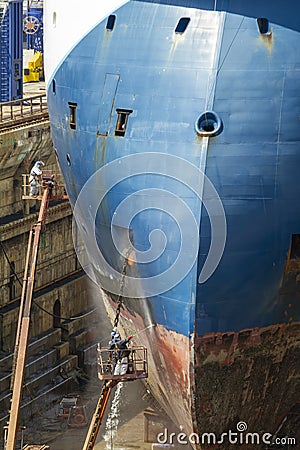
x=251, y=376
x=169, y=363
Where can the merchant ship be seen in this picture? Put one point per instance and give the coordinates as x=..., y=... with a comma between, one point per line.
x=176, y=126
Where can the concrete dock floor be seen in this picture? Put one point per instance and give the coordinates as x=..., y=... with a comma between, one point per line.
x=122, y=427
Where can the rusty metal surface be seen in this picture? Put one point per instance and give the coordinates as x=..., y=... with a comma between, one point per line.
x=210, y=383
x=169, y=361
x=251, y=376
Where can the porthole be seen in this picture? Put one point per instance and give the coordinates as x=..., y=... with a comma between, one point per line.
x=208, y=124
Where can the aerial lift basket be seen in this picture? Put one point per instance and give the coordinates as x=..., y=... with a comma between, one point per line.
x=137, y=364
x=48, y=178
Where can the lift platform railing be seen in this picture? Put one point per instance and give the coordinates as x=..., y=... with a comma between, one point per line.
x=36, y=447
x=137, y=364
x=48, y=178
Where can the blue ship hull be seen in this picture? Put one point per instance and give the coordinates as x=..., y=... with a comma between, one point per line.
x=162, y=79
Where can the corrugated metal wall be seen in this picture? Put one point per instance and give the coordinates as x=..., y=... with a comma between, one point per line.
x=11, y=50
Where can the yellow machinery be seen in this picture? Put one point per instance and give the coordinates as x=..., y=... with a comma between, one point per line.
x=35, y=68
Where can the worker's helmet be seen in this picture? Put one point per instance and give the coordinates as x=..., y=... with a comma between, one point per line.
x=39, y=163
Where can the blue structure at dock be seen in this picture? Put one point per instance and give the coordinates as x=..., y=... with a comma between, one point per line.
x=33, y=25
x=11, y=50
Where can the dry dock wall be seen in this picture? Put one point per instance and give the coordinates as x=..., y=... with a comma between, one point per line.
x=58, y=346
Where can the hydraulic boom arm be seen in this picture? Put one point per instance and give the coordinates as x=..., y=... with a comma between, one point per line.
x=98, y=415
x=24, y=321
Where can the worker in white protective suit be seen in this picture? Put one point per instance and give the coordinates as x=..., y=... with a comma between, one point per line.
x=122, y=356
x=35, y=178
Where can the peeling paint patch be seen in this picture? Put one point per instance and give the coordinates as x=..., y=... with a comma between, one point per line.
x=251, y=375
